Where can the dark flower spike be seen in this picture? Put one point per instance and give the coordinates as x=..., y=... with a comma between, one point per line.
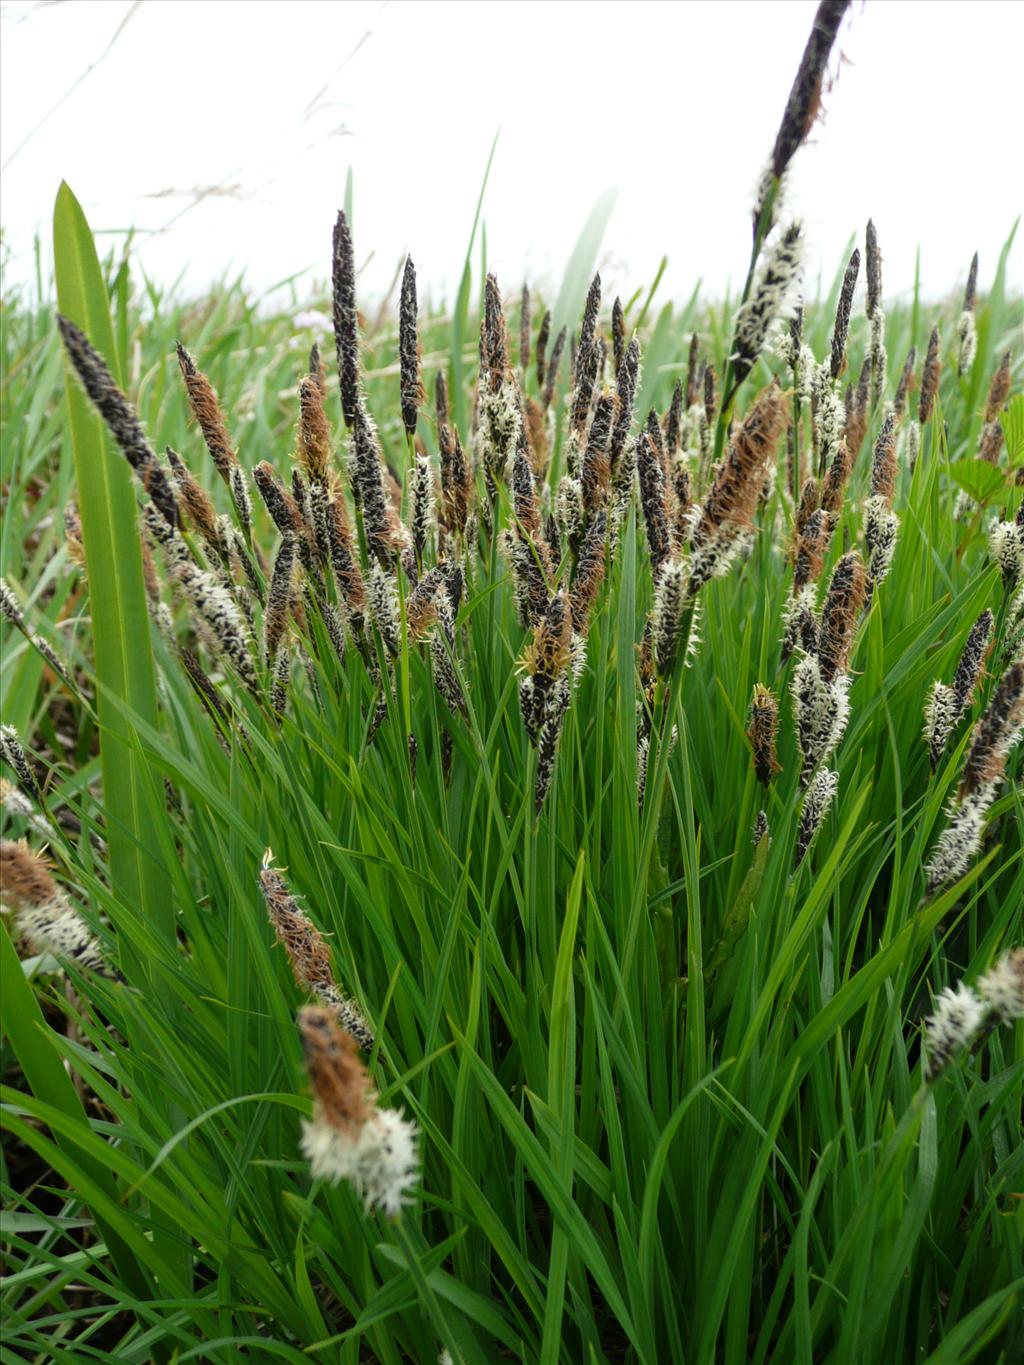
x=120, y=417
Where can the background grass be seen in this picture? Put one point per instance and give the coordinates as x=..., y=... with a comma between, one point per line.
x=669, y=1092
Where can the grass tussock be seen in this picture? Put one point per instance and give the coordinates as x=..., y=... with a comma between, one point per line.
x=637, y=973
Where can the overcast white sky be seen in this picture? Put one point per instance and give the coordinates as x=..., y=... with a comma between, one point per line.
x=224, y=132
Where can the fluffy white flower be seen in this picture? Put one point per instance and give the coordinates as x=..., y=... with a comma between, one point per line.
x=1002, y=986
x=379, y=1157
x=958, y=1016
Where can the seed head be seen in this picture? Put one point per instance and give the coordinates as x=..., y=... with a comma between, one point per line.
x=762, y=731
x=408, y=349
x=207, y=412
x=346, y=324
x=844, y=308
x=929, y=378
x=805, y=96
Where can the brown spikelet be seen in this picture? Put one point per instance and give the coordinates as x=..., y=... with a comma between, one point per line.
x=589, y=572
x=441, y=399
x=618, y=333
x=710, y=393
x=316, y=369
x=548, y=653
x=971, y=292
x=524, y=333
x=347, y=573
x=408, y=349
x=493, y=336
x=903, y=388
x=651, y=476
x=346, y=321
x=883, y=464
x=536, y=437
x=194, y=499
x=839, y=614
x=119, y=416
x=929, y=378
x=809, y=549
x=857, y=412
x=314, y=437
x=844, y=309
x=25, y=875
x=994, y=733
x=551, y=375
x=874, y=269
x=998, y=390
x=543, y=336
x=309, y=955
x=694, y=374
x=344, y=1095
x=810, y=501
x=454, y=480
x=737, y=483
x=595, y=467
x=284, y=510
x=206, y=410
x=761, y=731
x=835, y=479
x=524, y=496
x=673, y=421
x=805, y=95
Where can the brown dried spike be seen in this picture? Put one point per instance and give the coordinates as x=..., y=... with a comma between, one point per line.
x=844, y=309
x=998, y=390
x=454, y=480
x=524, y=333
x=552, y=367
x=493, y=338
x=874, y=269
x=346, y=321
x=536, y=437
x=314, y=443
x=805, y=95
x=589, y=572
x=693, y=372
x=441, y=399
x=929, y=378
x=710, y=393
x=194, y=499
x=207, y=413
x=408, y=349
x=761, y=731
x=542, y=348
x=283, y=508
x=835, y=480
x=347, y=573
x=595, y=467
x=810, y=548
x=309, y=955
x=524, y=496
x=971, y=292
x=883, y=464
x=316, y=369
x=737, y=483
x=810, y=501
x=651, y=477
x=992, y=734
x=673, y=421
x=906, y=382
x=549, y=651
x=618, y=333
x=857, y=412
x=839, y=614
x=25, y=875
x=344, y=1095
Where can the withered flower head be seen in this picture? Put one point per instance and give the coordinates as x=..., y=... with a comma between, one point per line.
x=995, y=734
x=207, y=412
x=844, y=308
x=314, y=444
x=408, y=349
x=929, y=378
x=762, y=731
x=839, y=614
x=346, y=323
x=805, y=96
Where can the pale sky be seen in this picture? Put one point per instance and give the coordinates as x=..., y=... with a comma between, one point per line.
x=223, y=131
